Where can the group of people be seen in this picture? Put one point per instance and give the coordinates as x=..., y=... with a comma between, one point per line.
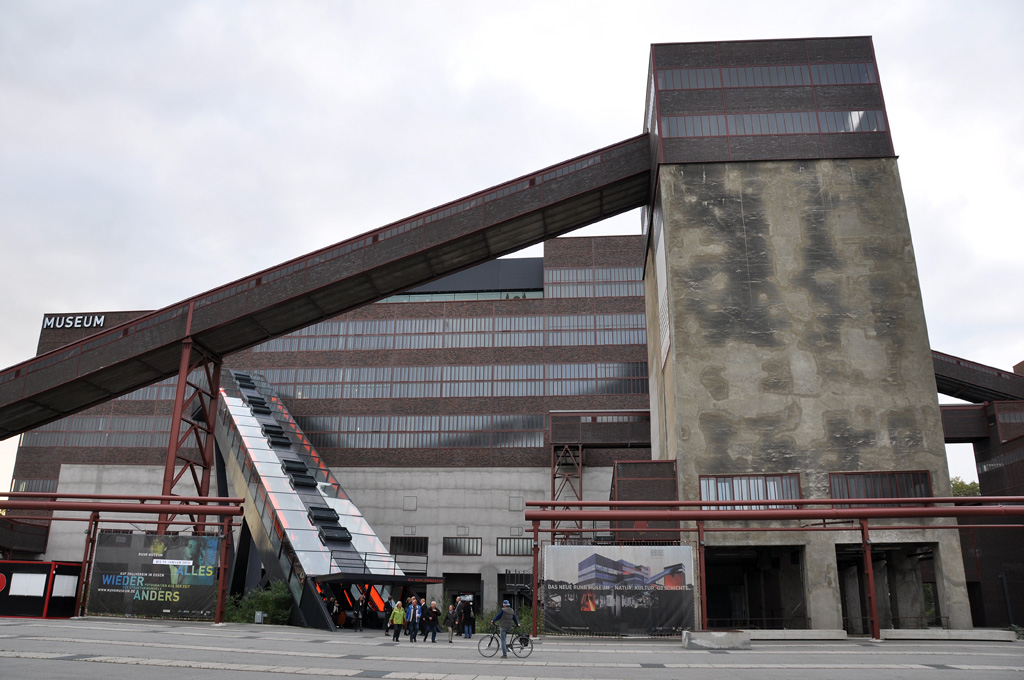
x=415, y=618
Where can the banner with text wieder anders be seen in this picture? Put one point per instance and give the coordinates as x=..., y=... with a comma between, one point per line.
x=638, y=590
x=155, y=576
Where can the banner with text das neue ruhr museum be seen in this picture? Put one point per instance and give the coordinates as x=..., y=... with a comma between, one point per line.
x=618, y=590
x=154, y=576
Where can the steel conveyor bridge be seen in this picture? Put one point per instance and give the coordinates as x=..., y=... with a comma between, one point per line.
x=323, y=284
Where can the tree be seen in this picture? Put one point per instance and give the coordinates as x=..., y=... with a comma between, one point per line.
x=962, y=488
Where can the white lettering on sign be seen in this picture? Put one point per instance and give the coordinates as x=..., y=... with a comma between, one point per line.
x=80, y=321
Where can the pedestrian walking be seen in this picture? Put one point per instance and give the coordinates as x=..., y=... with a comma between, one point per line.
x=359, y=613
x=413, y=618
x=468, y=618
x=397, y=620
x=432, y=617
x=450, y=621
x=460, y=606
x=389, y=607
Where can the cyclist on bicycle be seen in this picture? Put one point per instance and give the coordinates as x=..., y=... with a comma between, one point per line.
x=505, y=619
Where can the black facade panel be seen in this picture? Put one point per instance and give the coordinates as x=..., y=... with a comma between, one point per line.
x=573, y=184
x=696, y=150
x=624, y=161
x=857, y=145
x=769, y=147
x=761, y=52
x=526, y=273
x=686, y=102
x=692, y=55
x=388, y=250
x=839, y=50
x=335, y=269
x=508, y=207
x=452, y=227
x=848, y=97
x=769, y=99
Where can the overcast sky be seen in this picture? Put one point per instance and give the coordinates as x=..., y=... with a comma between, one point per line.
x=151, y=150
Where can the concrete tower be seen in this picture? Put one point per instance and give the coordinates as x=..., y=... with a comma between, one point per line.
x=788, y=350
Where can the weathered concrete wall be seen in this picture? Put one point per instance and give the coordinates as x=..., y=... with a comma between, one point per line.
x=797, y=339
x=67, y=539
x=798, y=334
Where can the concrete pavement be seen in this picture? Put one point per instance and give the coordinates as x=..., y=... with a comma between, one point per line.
x=111, y=649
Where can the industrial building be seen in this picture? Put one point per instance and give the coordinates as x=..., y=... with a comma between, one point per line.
x=763, y=338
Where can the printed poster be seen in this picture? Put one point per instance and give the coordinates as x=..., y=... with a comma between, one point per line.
x=154, y=576
x=618, y=590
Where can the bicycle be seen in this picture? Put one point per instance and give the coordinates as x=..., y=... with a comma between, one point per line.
x=520, y=644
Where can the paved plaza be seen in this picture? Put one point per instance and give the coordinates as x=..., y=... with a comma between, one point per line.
x=112, y=649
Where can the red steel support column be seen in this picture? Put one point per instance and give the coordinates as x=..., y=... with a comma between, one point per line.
x=87, y=556
x=703, y=577
x=201, y=427
x=179, y=408
x=536, y=567
x=222, y=576
x=869, y=572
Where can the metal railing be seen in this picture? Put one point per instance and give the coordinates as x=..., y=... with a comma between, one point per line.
x=378, y=563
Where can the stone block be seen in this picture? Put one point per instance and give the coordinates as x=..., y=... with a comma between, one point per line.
x=728, y=639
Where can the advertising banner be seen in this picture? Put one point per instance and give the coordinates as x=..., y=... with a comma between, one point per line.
x=618, y=590
x=155, y=576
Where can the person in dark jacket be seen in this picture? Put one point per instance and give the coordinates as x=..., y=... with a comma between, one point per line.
x=450, y=621
x=432, y=617
x=412, y=616
x=389, y=606
x=423, y=618
x=505, y=619
x=468, y=618
x=459, y=606
x=359, y=613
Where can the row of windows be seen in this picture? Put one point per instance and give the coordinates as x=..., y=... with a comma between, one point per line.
x=485, y=372
x=749, y=488
x=767, y=76
x=881, y=485
x=467, y=296
x=505, y=547
x=913, y=484
x=455, y=431
x=790, y=123
x=102, y=431
x=476, y=323
x=590, y=274
x=416, y=382
x=466, y=332
x=1005, y=417
x=593, y=290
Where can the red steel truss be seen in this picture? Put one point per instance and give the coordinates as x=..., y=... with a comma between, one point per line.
x=99, y=504
x=194, y=419
x=699, y=513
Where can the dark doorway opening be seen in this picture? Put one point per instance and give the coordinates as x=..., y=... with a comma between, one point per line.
x=755, y=587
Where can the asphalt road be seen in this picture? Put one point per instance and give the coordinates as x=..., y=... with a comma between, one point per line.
x=116, y=649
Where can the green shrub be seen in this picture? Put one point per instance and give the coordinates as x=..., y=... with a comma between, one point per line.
x=524, y=614
x=275, y=601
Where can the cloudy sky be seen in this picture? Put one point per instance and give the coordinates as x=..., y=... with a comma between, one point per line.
x=151, y=150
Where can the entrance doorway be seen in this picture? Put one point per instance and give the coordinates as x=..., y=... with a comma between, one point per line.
x=755, y=587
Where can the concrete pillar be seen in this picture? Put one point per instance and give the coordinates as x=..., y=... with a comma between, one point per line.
x=791, y=589
x=882, y=602
x=854, y=613
x=906, y=590
x=950, y=582
x=821, y=583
